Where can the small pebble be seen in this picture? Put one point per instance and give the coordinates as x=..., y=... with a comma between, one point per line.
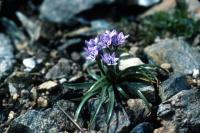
x=75, y=56
x=166, y=66
x=198, y=82
x=29, y=63
x=34, y=93
x=48, y=85
x=11, y=115
x=24, y=93
x=42, y=102
x=62, y=80
x=15, y=96
x=195, y=73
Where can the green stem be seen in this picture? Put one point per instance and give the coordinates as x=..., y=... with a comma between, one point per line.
x=100, y=65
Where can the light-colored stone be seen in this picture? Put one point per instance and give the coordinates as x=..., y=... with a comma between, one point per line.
x=129, y=62
x=42, y=102
x=166, y=66
x=29, y=63
x=195, y=73
x=48, y=85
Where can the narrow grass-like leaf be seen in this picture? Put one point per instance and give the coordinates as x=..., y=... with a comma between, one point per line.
x=122, y=92
x=103, y=97
x=139, y=93
x=93, y=74
x=78, y=85
x=78, y=110
x=111, y=103
x=102, y=81
x=144, y=99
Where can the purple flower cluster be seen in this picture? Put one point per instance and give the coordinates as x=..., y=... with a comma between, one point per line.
x=102, y=45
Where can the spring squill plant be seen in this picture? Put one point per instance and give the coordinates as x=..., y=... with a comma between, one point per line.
x=110, y=83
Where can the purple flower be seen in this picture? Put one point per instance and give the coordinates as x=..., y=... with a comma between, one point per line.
x=91, y=52
x=109, y=59
x=92, y=42
x=105, y=40
x=118, y=39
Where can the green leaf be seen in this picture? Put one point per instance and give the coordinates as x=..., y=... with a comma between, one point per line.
x=111, y=103
x=103, y=97
x=78, y=85
x=89, y=64
x=86, y=97
x=144, y=99
x=139, y=93
x=101, y=82
x=122, y=92
x=93, y=74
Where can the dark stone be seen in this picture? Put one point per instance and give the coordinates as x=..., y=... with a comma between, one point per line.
x=181, y=113
x=119, y=121
x=137, y=111
x=6, y=56
x=63, y=11
x=45, y=121
x=60, y=70
x=176, y=52
x=173, y=85
x=144, y=127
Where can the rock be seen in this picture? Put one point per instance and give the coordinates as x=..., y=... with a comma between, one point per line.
x=6, y=56
x=129, y=62
x=34, y=121
x=165, y=5
x=149, y=93
x=42, y=102
x=159, y=130
x=145, y=3
x=12, y=89
x=63, y=11
x=29, y=63
x=144, y=127
x=173, y=85
x=119, y=121
x=193, y=8
x=176, y=52
x=11, y=115
x=166, y=66
x=134, y=50
x=74, y=42
x=97, y=27
x=75, y=56
x=25, y=94
x=195, y=73
x=11, y=28
x=137, y=110
x=33, y=28
x=48, y=85
x=33, y=93
x=60, y=70
x=183, y=113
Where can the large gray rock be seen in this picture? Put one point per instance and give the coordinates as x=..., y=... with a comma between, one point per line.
x=173, y=85
x=181, y=113
x=176, y=52
x=6, y=56
x=47, y=121
x=62, y=11
x=119, y=121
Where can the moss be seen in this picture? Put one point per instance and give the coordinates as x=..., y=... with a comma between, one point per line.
x=162, y=24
